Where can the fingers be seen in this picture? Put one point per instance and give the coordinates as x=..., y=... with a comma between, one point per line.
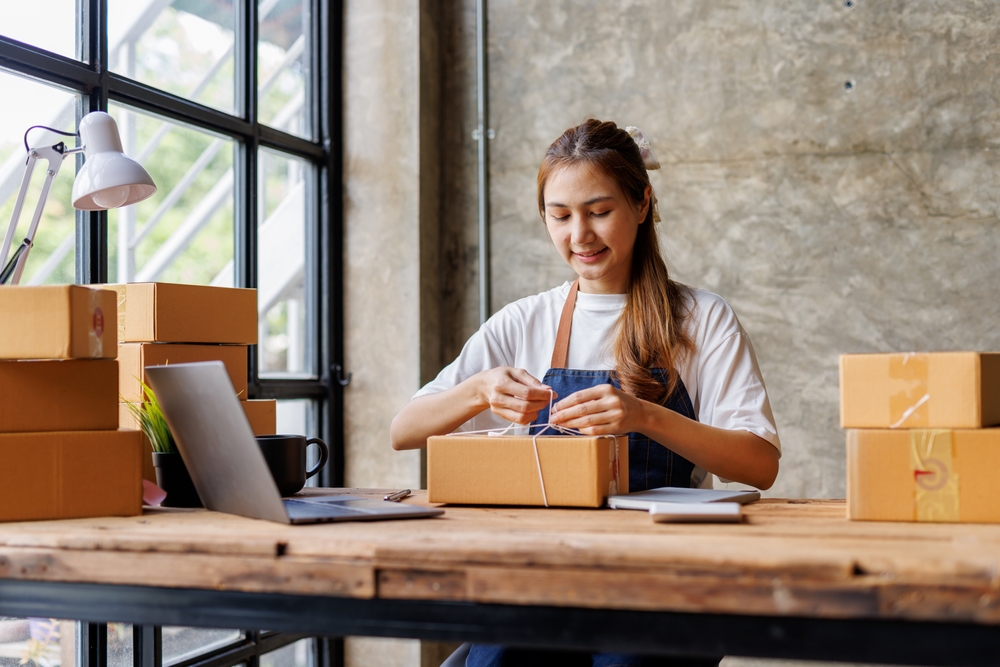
x=530, y=388
x=521, y=418
x=515, y=395
x=585, y=396
x=526, y=378
x=594, y=411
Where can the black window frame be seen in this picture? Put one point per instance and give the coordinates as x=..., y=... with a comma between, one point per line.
x=91, y=78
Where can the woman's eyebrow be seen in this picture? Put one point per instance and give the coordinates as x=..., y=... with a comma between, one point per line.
x=595, y=200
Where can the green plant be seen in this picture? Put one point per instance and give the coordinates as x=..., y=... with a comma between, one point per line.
x=152, y=422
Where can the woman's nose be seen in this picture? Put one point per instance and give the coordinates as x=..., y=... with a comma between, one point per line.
x=581, y=232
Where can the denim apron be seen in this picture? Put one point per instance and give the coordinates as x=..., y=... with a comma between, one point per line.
x=651, y=465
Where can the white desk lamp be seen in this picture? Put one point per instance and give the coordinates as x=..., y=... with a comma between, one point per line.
x=108, y=179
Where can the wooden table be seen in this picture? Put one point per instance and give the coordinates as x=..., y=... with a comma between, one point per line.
x=796, y=579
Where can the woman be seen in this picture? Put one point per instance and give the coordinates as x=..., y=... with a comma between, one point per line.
x=622, y=349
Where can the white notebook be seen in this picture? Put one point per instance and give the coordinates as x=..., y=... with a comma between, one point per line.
x=643, y=500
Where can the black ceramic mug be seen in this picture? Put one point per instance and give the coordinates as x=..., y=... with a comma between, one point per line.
x=286, y=457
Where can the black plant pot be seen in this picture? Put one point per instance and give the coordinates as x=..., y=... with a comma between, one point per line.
x=172, y=476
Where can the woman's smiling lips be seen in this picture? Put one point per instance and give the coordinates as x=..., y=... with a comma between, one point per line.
x=591, y=256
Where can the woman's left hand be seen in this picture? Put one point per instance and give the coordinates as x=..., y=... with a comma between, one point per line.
x=600, y=410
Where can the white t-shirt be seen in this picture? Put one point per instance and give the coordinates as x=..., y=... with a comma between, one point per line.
x=722, y=378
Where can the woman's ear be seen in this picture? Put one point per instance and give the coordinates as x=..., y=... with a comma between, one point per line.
x=647, y=196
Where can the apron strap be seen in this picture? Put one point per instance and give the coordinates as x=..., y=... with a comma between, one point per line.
x=560, y=353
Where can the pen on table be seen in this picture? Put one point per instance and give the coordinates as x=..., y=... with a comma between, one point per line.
x=399, y=495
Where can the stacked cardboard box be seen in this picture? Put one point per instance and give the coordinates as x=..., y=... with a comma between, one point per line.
x=919, y=446
x=165, y=323
x=61, y=453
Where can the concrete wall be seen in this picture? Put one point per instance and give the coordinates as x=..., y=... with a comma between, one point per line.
x=834, y=218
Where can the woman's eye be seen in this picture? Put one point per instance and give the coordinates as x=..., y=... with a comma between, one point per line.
x=600, y=214
x=559, y=218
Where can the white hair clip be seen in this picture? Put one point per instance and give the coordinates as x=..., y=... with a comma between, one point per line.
x=648, y=159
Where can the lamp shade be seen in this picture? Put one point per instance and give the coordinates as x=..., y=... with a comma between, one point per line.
x=108, y=178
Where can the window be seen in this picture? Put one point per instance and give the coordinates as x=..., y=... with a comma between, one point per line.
x=223, y=103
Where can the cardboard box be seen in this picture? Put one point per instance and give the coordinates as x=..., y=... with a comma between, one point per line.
x=173, y=313
x=926, y=390
x=923, y=475
x=262, y=415
x=70, y=475
x=134, y=357
x=57, y=322
x=66, y=395
x=578, y=471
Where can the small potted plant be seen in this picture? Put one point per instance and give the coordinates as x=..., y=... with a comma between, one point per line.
x=171, y=473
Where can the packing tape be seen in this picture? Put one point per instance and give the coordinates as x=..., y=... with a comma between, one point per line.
x=616, y=465
x=908, y=408
x=95, y=332
x=934, y=477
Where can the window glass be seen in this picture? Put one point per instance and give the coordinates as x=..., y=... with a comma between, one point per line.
x=57, y=32
x=283, y=65
x=286, y=312
x=184, y=47
x=297, y=417
x=180, y=644
x=299, y=654
x=37, y=642
x=184, y=232
x=52, y=259
x=120, y=645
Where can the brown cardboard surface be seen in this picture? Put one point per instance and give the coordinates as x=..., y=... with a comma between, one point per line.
x=920, y=390
x=578, y=471
x=882, y=484
x=262, y=415
x=57, y=322
x=70, y=475
x=134, y=357
x=174, y=313
x=63, y=395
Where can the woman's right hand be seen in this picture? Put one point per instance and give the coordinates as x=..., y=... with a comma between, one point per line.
x=513, y=394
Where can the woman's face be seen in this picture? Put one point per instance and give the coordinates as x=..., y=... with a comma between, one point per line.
x=593, y=226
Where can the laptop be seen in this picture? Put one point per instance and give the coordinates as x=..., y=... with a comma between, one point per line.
x=645, y=500
x=225, y=462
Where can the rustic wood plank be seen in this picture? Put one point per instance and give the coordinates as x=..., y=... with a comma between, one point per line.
x=287, y=575
x=662, y=591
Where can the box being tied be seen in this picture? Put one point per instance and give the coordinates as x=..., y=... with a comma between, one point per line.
x=543, y=470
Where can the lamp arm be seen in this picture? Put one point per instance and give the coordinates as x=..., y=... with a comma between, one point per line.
x=55, y=156
x=29, y=168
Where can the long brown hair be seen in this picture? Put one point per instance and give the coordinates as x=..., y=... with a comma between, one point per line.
x=651, y=327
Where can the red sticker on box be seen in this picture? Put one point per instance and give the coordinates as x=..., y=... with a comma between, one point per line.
x=97, y=323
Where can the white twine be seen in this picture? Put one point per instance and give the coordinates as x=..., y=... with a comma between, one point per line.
x=491, y=432
x=910, y=410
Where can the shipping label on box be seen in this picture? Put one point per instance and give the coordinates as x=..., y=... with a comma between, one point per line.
x=936, y=475
x=174, y=313
x=70, y=475
x=134, y=357
x=569, y=471
x=57, y=322
x=926, y=390
x=64, y=395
